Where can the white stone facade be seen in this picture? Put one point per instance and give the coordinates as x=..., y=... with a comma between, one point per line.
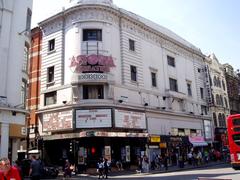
x=167, y=111
x=220, y=107
x=14, y=37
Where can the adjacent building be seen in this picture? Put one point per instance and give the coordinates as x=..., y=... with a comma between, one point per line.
x=15, y=20
x=218, y=98
x=117, y=85
x=233, y=84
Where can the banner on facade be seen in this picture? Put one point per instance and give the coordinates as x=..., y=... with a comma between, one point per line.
x=56, y=121
x=130, y=119
x=94, y=118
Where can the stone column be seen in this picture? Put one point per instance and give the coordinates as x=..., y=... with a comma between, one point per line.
x=15, y=148
x=4, y=139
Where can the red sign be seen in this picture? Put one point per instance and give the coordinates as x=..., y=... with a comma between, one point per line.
x=91, y=63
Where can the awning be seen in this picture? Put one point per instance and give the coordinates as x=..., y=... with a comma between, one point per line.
x=197, y=141
x=197, y=144
x=95, y=134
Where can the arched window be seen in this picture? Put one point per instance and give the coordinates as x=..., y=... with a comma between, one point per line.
x=223, y=85
x=219, y=82
x=221, y=100
x=226, y=102
x=215, y=119
x=224, y=120
x=215, y=81
x=217, y=100
x=220, y=119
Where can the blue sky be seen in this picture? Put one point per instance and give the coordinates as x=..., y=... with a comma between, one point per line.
x=211, y=25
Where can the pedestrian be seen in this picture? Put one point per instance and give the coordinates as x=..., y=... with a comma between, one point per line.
x=100, y=167
x=165, y=161
x=35, y=169
x=190, y=156
x=67, y=169
x=19, y=167
x=8, y=172
x=106, y=168
x=139, y=169
x=119, y=165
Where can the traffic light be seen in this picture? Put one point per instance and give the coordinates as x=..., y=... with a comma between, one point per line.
x=70, y=147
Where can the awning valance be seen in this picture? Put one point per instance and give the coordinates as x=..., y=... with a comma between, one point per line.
x=197, y=141
x=197, y=144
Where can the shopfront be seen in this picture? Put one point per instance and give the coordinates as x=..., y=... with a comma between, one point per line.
x=176, y=145
x=115, y=134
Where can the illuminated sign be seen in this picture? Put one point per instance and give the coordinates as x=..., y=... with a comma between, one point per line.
x=155, y=139
x=91, y=63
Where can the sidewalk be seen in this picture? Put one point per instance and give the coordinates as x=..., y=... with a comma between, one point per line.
x=114, y=173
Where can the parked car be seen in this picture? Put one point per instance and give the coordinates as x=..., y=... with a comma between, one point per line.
x=47, y=171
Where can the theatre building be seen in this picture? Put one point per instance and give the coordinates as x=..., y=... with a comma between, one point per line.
x=111, y=80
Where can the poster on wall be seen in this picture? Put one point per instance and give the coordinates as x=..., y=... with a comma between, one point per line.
x=130, y=119
x=207, y=129
x=128, y=157
x=107, y=152
x=55, y=121
x=93, y=118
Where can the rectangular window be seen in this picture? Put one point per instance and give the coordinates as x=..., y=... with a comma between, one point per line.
x=201, y=93
x=171, y=61
x=154, y=79
x=28, y=20
x=203, y=110
x=24, y=93
x=50, y=98
x=51, y=45
x=93, y=92
x=50, y=74
x=173, y=84
x=92, y=35
x=131, y=45
x=25, y=58
x=133, y=70
x=189, y=89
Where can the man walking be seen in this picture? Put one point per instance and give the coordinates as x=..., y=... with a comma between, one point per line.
x=35, y=169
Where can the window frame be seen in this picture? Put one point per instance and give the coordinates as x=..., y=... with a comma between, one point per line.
x=131, y=45
x=171, y=61
x=154, y=79
x=189, y=89
x=173, y=87
x=96, y=37
x=201, y=93
x=48, y=74
x=51, y=45
x=133, y=71
x=52, y=94
x=89, y=89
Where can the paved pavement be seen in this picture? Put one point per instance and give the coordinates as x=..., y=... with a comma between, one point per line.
x=132, y=174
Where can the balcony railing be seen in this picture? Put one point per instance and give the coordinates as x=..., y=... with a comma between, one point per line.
x=93, y=47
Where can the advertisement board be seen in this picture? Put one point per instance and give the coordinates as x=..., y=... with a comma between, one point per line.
x=130, y=119
x=56, y=121
x=94, y=118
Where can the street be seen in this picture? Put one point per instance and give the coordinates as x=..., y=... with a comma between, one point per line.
x=223, y=171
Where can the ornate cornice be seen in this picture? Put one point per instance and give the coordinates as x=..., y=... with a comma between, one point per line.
x=112, y=15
